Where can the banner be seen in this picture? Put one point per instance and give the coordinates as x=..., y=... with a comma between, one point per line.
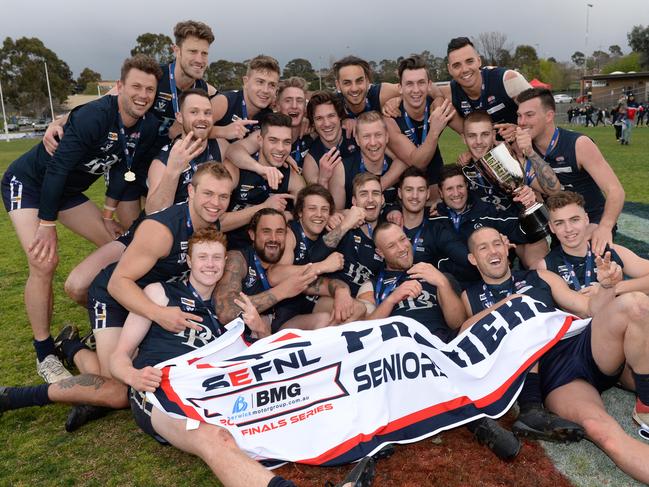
x=334, y=395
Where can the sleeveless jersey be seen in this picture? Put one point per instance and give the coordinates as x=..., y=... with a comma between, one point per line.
x=163, y=107
x=361, y=260
x=346, y=147
x=493, y=98
x=159, y=344
x=521, y=282
x=563, y=161
x=372, y=100
x=415, y=134
x=561, y=263
x=211, y=153
x=236, y=111
x=300, y=148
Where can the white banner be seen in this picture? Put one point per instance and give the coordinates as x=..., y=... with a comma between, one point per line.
x=336, y=394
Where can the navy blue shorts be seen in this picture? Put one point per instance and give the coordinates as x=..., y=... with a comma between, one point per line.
x=141, y=410
x=17, y=195
x=572, y=359
x=105, y=314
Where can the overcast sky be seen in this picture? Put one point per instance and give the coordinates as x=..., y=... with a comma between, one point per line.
x=100, y=35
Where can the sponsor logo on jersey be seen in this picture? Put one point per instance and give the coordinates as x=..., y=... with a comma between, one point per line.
x=188, y=302
x=112, y=136
x=165, y=96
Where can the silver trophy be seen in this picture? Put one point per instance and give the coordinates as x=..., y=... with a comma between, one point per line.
x=505, y=171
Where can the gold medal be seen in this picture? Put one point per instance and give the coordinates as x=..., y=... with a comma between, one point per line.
x=129, y=176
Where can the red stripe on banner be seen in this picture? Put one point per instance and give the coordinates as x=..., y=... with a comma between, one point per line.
x=165, y=385
x=437, y=408
x=287, y=336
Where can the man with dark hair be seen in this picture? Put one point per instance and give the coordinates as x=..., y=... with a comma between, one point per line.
x=372, y=139
x=574, y=373
x=577, y=162
x=291, y=101
x=171, y=172
x=415, y=132
x=247, y=270
x=574, y=259
x=252, y=192
x=236, y=113
x=38, y=189
x=473, y=87
x=461, y=212
x=326, y=113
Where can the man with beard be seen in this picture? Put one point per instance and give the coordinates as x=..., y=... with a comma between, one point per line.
x=326, y=113
x=577, y=162
x=38, y=189
x=246, y=270
x=463, y=213
x=252, y=192
x=291, y=101
x=574, y=260
x=236, y=112
x=432, y=241
x=415, y=132
x=493, y=90
x=372, y=139
x=171, y=173
x=574, y=373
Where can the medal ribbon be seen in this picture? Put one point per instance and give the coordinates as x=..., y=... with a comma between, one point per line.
x=380, y=294
x=261, y=272
x=414, y=138
x=588, y=274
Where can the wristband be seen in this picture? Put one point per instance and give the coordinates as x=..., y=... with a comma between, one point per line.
x=41, y=224
x=111, y=208
x=107, y=214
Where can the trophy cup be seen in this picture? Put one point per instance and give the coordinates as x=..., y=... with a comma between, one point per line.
x=504, y=170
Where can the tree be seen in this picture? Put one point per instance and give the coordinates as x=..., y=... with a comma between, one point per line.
x=23, y=72
x=556, y=74
x=639, y=42
x=630, y=62
x=158, y=46
x=526, y=60
x=87, y=76
x=615, y=50
x=302, y=68
x=388, y=70
x=578, y=58
x=491, y=46
x=226, y=75
x=599, y=59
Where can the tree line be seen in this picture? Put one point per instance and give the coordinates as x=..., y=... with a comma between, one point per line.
x=25, y=91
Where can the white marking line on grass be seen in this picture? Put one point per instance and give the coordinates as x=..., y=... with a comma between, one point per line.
x=633, y=226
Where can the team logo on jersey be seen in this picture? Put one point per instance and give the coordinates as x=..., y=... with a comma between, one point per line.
x=113, y=136
x=160, y=105
x=252, y=277
x=491, y=99
x=477, y=225
x=357, y=239
x=560, y=159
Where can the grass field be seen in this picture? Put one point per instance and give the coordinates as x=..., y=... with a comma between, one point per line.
x=35, y=448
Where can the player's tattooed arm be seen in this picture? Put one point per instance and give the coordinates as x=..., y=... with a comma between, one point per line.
x=264, y=301
x=547, y=179
x=333, y=238
x=229, y=287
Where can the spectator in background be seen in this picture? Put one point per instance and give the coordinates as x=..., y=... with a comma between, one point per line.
x=642, y=113
x=628, y=117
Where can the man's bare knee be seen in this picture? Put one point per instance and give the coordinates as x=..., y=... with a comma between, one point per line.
x=604, y=432
x=636, y=305
x=75, y=289
x=43, y=268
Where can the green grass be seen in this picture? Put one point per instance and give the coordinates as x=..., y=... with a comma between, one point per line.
x=35, y=449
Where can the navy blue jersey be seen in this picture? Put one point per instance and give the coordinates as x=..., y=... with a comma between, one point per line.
x=434, y=243
x=211, y=153
x=372, y=100
x=300, y=149
x=482, y=296
x=353, y=166
x=163, y=107
x=480, y=214
x=90, y=147
x=346, y=148
x=414, y=131
x=493, y=98
x=563, y=161
x=361, y=260
x=238, y=111
x=424, y=308
x=480, y=188
x=307, y=250
x=253, y=282
x=159, y=344
x=561, y=263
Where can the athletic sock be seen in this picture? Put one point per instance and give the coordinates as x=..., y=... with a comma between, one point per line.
x=71, y=347
x=44, y=348
x=642, y=387
x=530, y=395
x=22, y=397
